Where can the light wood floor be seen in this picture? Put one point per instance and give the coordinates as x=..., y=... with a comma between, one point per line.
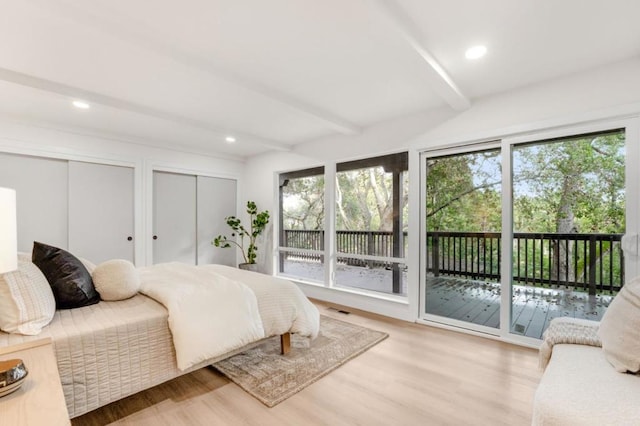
x=420, y=375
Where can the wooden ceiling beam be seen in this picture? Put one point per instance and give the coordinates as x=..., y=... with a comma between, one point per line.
x=136, y=33
x=440, y=81
x=108, y=101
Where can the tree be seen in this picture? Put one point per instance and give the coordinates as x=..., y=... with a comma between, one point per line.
x=571, y=185
x=463, y=192
x=578, y=183
x=303, y=203
x=364, y=199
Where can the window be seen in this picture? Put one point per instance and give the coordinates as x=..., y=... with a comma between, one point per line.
x=371, y=213
x=301, y=239
x=366, y=237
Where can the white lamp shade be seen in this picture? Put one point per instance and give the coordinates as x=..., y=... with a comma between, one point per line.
x=8, y=231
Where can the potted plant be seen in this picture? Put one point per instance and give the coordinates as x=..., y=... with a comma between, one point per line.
x=258, y=221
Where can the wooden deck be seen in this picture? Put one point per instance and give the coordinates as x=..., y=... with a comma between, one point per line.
x=477, y=302
x=533, y=308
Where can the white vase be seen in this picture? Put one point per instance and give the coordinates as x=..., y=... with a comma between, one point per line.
x=248, y=266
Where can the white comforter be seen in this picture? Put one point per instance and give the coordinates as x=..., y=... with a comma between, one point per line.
x=214, y=309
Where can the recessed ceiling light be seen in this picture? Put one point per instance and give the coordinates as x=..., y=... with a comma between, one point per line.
x=476, y=52
x=230, y=139
x=81, y=104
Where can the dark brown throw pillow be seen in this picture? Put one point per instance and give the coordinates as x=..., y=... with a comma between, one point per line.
x=69, y=279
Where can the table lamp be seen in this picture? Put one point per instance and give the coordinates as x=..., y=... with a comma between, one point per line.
x=13, y=371
x=8, y=231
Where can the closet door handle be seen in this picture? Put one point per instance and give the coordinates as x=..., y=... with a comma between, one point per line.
x=155, y=237
x=129, y=238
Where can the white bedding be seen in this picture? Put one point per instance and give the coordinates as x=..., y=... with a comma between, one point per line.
x=209, y=314
x=110, y=350
x=283, y=306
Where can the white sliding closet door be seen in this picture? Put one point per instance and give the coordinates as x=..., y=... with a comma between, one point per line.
x=174, y=218
x=42, y=198
x=101, y=212
x=216, y=201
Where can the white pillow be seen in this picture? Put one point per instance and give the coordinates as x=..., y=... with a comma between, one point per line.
x=620, y=329
x=26, y=300
x=116, y=279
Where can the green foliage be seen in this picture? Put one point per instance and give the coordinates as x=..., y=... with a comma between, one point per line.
x=303, y=203
x=364, y=201
x=258, y=221
x=573, y=183
x=463, y=192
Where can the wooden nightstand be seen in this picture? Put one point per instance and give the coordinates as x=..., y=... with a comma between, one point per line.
x=40, y=400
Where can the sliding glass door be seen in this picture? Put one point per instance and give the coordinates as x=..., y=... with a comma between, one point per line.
x=568, y=220
x=507, y=263
x=463, y=223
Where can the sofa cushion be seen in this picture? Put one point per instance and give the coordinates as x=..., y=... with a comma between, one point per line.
x=69, y=279
x=26, y=299
x=116, y=279
x=620, y=329
x=579, y=387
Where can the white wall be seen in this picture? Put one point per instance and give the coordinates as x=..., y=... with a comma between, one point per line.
x=49, y=141
x=578, y=97
x=388, y=136
x=571, y=99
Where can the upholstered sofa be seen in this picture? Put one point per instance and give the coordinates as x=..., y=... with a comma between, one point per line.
x=580, y=387
x=591, y=369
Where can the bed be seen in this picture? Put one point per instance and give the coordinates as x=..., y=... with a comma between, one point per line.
x=110, y=350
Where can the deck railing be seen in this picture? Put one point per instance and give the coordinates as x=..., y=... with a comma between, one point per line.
x=373, y=243
x=593, y=262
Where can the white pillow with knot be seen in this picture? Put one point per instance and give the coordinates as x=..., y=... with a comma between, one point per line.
x=116, y=279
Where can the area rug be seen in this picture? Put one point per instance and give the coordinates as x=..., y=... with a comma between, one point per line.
x=271, y=378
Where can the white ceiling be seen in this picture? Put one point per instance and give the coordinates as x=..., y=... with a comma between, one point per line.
x=277, y=73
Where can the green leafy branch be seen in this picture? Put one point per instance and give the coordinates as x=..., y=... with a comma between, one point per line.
x=258, y=221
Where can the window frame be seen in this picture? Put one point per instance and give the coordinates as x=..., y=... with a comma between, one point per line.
x=330, y=251
x=282, y=181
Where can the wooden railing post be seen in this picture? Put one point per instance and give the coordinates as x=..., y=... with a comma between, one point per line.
x=593, y=259
x=622, y=274
x=284, y=239
x=435, y=254
x=397, y=229
x=370, y=249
